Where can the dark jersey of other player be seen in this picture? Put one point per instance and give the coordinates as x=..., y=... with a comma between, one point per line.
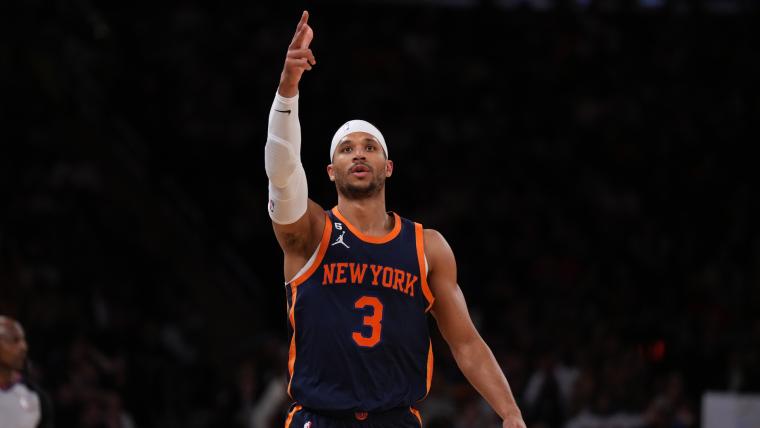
x=358, y=320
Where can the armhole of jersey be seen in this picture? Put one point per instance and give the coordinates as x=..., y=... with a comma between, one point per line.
x=311, y=265
x=422, y=261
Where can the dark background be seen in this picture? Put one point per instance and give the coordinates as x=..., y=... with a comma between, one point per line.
x=589, y=165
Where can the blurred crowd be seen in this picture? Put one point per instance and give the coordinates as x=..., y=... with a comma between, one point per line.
x=590, y=169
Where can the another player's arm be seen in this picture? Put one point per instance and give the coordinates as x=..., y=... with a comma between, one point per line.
x=297, y=220
x=472, y=354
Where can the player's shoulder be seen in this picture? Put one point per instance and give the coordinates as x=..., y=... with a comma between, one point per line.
x=45, y=402
x=436, y=246
x=433, y=236
x=433, y=240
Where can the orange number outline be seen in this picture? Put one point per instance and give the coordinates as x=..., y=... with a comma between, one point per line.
x=373, y=321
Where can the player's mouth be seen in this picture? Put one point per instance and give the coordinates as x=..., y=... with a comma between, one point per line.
x=360, y=170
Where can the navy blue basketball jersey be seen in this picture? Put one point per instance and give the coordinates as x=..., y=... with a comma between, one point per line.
x=358, y=320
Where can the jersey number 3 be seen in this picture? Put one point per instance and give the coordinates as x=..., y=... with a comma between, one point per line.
x=373, y=321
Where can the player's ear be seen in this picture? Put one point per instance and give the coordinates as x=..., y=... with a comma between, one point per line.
x=330, y=172
x=388, y=168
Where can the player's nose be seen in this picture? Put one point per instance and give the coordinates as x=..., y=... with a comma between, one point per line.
x=359, y=154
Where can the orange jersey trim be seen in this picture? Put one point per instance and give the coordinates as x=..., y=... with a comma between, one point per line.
x=416, y=414
x=326, y=232
x=323, y=244
x=371, y=239
x=429, y=370
x=292, y=352
x=291, y=414
x=418, y=236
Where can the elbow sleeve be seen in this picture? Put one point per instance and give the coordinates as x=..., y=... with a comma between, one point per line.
x=288, y=190
x=280, y=161
x=289, y=203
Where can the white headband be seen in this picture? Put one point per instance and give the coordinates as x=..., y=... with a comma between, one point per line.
x=356, y=126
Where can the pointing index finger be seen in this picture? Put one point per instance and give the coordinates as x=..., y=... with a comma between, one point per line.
x=300, y=29
x=304, y=19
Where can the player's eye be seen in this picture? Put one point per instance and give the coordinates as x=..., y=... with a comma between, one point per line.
x=346, y=149
x=370, y=148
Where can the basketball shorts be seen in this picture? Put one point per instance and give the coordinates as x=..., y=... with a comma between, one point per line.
x=401, y=417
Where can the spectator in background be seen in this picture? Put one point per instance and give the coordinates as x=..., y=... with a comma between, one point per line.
x=671, y=408
x=91, y=397
x=549, y=390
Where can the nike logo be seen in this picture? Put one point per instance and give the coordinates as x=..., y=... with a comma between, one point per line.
x=283, y=111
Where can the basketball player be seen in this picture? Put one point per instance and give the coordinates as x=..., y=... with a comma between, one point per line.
x=361, y=280
x=21, y=405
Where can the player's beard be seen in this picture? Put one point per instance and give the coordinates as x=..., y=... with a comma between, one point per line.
x=363, y=190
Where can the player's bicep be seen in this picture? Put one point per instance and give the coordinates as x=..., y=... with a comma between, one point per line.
x=450, y=308
x=302, y=236
x=453, y=318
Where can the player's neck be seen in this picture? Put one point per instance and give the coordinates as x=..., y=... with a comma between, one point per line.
x=368, y=215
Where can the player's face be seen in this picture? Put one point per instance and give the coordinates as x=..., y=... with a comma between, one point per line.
x=13, y=346
x=359, y=166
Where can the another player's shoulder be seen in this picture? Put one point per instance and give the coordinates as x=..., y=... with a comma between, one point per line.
x=20, y=392
x=45, y=404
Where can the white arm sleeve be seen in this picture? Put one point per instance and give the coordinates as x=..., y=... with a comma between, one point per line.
x=288, y=191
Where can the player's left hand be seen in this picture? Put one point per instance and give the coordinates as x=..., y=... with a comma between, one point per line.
x=513, y=422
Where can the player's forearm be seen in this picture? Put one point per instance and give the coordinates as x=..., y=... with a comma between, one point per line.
x=284, y=125
x=288, y=190
x=479, y=366
x=287, y=88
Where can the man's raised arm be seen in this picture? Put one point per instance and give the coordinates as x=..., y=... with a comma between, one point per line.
x=288, y=191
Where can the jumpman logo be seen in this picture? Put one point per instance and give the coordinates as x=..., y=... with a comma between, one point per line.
x=340, y=240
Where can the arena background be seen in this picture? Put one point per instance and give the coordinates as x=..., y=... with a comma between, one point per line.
x=589, y=162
